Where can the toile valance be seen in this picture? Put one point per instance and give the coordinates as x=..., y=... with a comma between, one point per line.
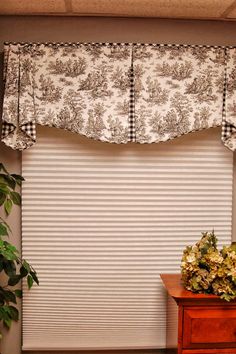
x=118, y=92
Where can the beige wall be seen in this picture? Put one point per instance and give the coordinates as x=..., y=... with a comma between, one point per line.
x=98, y=30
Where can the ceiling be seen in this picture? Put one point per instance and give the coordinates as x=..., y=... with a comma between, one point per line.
x=178, y=9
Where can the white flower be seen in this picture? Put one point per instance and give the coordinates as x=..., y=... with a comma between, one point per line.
x=191, y=258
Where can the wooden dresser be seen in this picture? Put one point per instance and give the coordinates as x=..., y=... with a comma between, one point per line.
x=206, y=324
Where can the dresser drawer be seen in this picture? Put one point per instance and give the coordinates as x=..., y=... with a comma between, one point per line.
x=209, y=327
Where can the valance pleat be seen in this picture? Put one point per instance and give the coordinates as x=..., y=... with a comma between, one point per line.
x=118, y=92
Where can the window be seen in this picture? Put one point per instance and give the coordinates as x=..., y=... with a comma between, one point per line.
x=100, y=223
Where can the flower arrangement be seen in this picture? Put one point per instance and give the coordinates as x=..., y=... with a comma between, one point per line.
x=205, y=269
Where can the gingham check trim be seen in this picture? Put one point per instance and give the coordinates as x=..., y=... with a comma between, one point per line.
x=132, y=135
x=30, y=130
x=227, y=130
x=7, y=128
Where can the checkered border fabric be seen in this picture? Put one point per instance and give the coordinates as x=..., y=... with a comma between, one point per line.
x=227, y=130
x=132, y=133
x=7, y=128
x=30, y=130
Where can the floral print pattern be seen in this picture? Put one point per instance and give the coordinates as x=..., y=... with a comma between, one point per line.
x=89, y=89
x=177, y=90
x=81, y=88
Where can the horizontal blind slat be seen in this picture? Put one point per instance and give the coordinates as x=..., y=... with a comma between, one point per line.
x=100, y=223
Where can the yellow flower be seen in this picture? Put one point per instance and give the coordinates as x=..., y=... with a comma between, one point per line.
x=191, y=258
x=215, y=257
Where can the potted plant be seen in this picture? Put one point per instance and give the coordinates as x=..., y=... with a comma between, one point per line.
x=14, y=267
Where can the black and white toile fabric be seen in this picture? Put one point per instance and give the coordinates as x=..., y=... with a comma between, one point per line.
x=81, y=88
x=118, y=93
x=178, y=90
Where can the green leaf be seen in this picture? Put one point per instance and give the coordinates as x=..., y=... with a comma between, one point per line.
x=18, y=179
x=8, y=206
x=18, y=293
x=14, y=313
x=8, y=251
x=7, y=322
x=34, y=276
x=5, y=315
x=1, y=264
x=9, y=255
x=23, y=272
x=3, y=230
x=26, y=266
x=9, y=296
x=11, y=247
x=2, y=197
x=14, y=280
x=3, y=188
x=16, y=198
x=7, y=179
x=30, y=281
x=9, y=268
x=3, y=222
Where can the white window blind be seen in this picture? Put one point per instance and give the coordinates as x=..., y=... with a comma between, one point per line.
x=100, y=223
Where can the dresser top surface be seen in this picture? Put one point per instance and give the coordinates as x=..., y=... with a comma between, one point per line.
x=174, y=287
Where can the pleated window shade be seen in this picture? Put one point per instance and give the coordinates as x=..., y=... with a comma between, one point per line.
x=101, y=221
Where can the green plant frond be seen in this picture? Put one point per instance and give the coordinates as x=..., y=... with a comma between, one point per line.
x=8, y=180
x=14, y=267
x=3, y=222
x=8, y=206
x=3, y=229
x=19, y=179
